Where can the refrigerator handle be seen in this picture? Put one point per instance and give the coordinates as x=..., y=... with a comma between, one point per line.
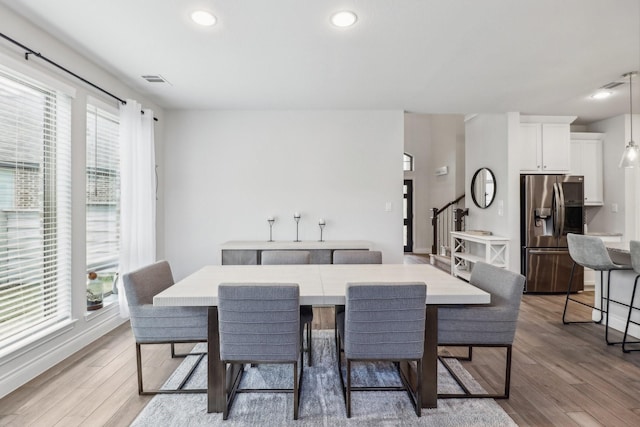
x=556, y=209
x=561, y=212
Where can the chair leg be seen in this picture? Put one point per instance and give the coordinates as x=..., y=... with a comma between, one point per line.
x=296, y=397
x=467, y=393
x=342, y=386
x=507, y=374
x=348, y=391
x=139, y=368
x=419, y=388
x=566, y=301
x=606, y=324
x=309, y=345
x=227, y=400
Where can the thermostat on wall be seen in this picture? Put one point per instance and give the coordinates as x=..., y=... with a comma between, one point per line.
x=442, y=171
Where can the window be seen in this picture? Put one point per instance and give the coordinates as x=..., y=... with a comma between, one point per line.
x=35, y=209
x=408, y=162
x=102, y=201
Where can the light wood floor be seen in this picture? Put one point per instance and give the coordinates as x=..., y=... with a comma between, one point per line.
x=563, y=375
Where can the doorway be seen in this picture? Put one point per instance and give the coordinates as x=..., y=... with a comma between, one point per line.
x=407, y=208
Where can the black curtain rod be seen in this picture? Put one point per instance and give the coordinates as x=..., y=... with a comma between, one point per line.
x=30, y=51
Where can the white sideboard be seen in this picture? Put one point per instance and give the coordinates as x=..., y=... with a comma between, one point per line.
x=467, y=248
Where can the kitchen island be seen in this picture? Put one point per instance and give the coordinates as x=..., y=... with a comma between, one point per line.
x=621, y=289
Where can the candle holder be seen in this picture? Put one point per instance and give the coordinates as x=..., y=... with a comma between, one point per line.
x=271, y=220
x=321, y=225
x=296, y=217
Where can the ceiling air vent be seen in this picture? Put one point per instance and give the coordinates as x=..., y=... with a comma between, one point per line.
x=155, y=78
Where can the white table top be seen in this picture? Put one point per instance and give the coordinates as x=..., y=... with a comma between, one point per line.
x=287, y=244
x=319, y=284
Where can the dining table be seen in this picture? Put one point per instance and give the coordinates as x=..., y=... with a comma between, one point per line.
x=321, y=286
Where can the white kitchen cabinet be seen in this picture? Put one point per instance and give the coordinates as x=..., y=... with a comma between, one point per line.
x=545, y=144
x=470, y=247
x=586, y=160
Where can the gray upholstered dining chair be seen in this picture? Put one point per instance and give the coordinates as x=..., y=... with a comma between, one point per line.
x=493, y=325
x=634, y=247
x=382, y=322
x=259, y=323
x=352, y=256
x=590, y=252
x=161, y=325
x=356, y=256
x=306, y=311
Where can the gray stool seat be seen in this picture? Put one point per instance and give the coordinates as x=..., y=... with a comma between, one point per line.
x=483, y=326
x=590, y=252
x=161, y=325
x=382, y=322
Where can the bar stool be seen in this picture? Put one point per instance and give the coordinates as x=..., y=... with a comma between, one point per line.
x=590, y=252
x=635, y=263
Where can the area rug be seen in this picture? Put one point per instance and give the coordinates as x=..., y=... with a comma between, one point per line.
x=321, y=401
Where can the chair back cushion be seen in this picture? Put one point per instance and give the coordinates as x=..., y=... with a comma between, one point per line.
x=635, y=255
x=385, y=320
x=140, y=286
x=504, y=286
x=259, y=322
x=160, y=324
x=357, y=257
x=285, y=257
x=590, y=252
x=491, y=324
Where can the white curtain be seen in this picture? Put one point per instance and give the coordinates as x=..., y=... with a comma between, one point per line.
x=137, y=193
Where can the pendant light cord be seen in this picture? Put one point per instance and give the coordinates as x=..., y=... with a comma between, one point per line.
x=630, y=108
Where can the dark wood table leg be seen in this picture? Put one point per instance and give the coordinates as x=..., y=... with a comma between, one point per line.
x=430, y=359
x=215, y=385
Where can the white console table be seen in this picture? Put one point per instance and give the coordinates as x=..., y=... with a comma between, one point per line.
x=249, y=252
x=469, y=248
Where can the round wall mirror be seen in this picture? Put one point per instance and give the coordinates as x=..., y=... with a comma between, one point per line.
x=483, y=188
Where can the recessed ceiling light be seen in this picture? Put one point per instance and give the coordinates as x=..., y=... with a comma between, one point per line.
x=204, y=18
x=601, y=94
x=344, y=18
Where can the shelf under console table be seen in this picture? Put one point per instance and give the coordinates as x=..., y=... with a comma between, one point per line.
x=247, y=252
x=469, y=248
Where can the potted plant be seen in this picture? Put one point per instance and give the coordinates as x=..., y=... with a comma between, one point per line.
x=95, y=293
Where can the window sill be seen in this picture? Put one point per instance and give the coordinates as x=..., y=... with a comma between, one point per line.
x=109, y=304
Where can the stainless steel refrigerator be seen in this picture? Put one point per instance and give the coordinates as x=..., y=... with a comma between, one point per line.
x=550, y=207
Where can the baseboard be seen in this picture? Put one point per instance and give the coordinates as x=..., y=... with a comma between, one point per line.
x=618, y=323
x=32, y=366
x=421, y=251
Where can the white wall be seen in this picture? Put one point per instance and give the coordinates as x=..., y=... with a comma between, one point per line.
x=434, y=141
x=19, y=367
x=487, y=147
x=491, y=142
x=227, y=171
x=619, y=186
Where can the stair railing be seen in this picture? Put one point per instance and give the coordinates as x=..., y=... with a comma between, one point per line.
x=444, y=220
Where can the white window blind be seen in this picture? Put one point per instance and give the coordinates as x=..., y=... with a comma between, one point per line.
x=103, y=194
x=35, y=208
